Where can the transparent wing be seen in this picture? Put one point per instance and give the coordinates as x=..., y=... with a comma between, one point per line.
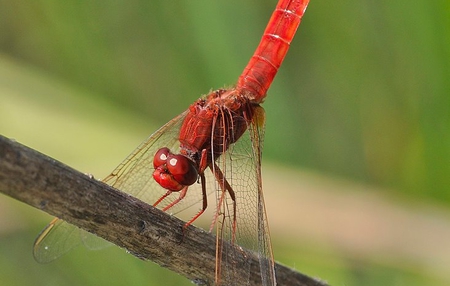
x=133, y=176
x=264, y=246
x=91, y=241
x=56, y=239
x=241, y=166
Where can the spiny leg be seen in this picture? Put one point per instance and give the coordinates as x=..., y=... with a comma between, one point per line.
x=202, y=167
x=162, y=198
x=224, y=186
x=180, y=197
x=205, y=201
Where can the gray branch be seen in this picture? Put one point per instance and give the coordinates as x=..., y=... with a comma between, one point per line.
x=144, y=231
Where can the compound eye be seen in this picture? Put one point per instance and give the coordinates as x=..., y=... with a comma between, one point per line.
x=182, y=169
x=161, y=157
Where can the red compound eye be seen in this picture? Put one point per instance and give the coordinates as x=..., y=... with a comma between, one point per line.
x=160, y=157
x=182, y=169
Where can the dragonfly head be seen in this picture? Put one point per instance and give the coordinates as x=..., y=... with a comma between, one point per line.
x=173, y=171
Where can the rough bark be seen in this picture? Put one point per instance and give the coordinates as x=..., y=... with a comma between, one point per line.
x=144, y=231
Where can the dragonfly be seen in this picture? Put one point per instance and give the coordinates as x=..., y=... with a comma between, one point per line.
x=210, y=151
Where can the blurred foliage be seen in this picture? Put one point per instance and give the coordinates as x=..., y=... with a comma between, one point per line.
x=363, y=92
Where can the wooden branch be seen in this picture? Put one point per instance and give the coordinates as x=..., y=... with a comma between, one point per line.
x=144, y=231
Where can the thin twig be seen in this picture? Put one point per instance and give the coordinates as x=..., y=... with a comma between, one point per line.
x=144, y=231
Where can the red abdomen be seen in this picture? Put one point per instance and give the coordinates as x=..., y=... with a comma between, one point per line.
x=263, y=66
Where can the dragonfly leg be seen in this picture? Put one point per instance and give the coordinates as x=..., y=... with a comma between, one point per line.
x=203, y=162
x=162, y=198
x=205, y=201
x=202, y=166
x=180, y=197
x=225, y=187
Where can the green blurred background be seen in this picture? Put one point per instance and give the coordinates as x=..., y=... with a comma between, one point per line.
x=356, y=165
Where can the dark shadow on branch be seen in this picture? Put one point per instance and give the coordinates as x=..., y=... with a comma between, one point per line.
x=144, y=231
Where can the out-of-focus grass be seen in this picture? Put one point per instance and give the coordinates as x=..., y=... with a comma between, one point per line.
x=363, y=90
x=363, y=95
x=307, y=234
x=62, y=122
x=340, y=268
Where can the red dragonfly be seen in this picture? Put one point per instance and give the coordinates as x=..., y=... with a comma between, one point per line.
x=214, y=147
